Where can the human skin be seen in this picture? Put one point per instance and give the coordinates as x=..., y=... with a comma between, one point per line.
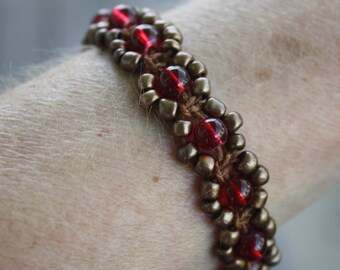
x=88, y=180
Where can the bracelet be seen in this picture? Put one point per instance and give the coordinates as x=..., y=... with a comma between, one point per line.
x=174, y=85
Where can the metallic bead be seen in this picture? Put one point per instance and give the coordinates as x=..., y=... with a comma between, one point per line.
x=273, y=261
x=264, y=267
x=209, y=190
x=236, y=142
x=197, y=69
x=161, y=24
x=172, y=32
x=100, y=37
x=187, y=152
x=90, y=34
x=259, y=199
x=181, y=128
x=214, y=107
x=211, y=207
x=202, y=87
x=270, y=243
x=270, y=229
x=237, y=265
x=271, y=252
x=146, y=81
x=233, y=120
x=149, y=17
x=148, y=98
x=130, y=61
x=260, y=176
x=117, y=54
x=228, y=238
x=224, y=219
x=205, y=165
x=143, y=11
x=260, y=219
x=113, y=34
x=247, y=163
x=183, y=59
x=117, y=44
x=167, y=108
x=102, y=24
x=171, y=45
x=225, y=255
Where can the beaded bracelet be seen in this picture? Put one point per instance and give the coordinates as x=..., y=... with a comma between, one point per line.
x=174, y=85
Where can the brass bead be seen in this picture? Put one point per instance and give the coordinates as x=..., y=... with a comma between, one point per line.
x=146, y=81
x=148, y=98
x=117, y=44
x=90, y=34
x=260, y=219
x=228, y=238
x=117, y=55
x=172, y=32
x=149, y=17
x=205, y=165
x=130, y=61
x=271, y=252
x=211, y=207
x=143, y=11
x=237, y=265
x=225, y=255
x=100, y=37
x=209, y=190
x=273, y=261
x=233, y=120
x=247, y=163
x=183, y=59
x=161, y=24
x=113, y=34
x=224, y=219
x=270, y=229
x=270, y=243
x=202, y=87
x=171, y=45
x=102, y=24
x=264, y=267
x=187, y=152
x=214, y=107
x=260, y=176
x=181, y=128
x=259, y=199
x=197, y=69
x=236, y=142
x=167, y=108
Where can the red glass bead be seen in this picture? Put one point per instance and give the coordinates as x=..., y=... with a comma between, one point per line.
x=235, y=193
x=103, y=15
x=210, y=133
x=123, y=16
x=172, y=82
x=252, y=247
x=143, y=38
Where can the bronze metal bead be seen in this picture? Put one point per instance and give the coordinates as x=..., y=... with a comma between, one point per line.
x=117, y=44
x=205, y=165
x=172, y=32
x=146, y=81
x=228, y=238
x=270, y=229
x=260, y=176
x=273, y=261
x=186, y=152
x=259, y=199
x=247, y=163
x=270, y=243
x=183, y=59
x=236, y=142
x=130, y=61
x=167, y=108
x=117, y=55
x=224, y=219
x=161, y=24
x=271, y=252
x=143, y=11
x=100, y=37
x=113, y=34
x=181, y=128
x=211, y=207
x=237, y=265
x=264, y=267
x=149, y=17
x=197, y=69
x=90, y=34
x=171, y=45
x=233, y=120
x=148, y=98
x=209, y=190
x=225, y=255
x=214, y=107
x=103, y=24
x=202, y=87
x=260, y=218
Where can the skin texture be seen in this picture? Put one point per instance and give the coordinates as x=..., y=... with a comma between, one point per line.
x=90, y=181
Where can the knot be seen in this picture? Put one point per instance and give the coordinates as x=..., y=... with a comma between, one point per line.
x=224, y=164
x=191, y=106
x=242, y=220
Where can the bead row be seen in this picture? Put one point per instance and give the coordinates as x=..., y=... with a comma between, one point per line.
x=175, y=86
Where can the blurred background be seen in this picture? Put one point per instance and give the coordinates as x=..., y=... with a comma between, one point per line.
x=33, y=31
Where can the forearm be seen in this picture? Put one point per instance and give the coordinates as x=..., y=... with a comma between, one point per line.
x=89, y=180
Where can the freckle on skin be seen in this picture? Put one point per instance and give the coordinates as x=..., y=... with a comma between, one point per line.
x=155, y=178
x=263, y=74
x=102, y=132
